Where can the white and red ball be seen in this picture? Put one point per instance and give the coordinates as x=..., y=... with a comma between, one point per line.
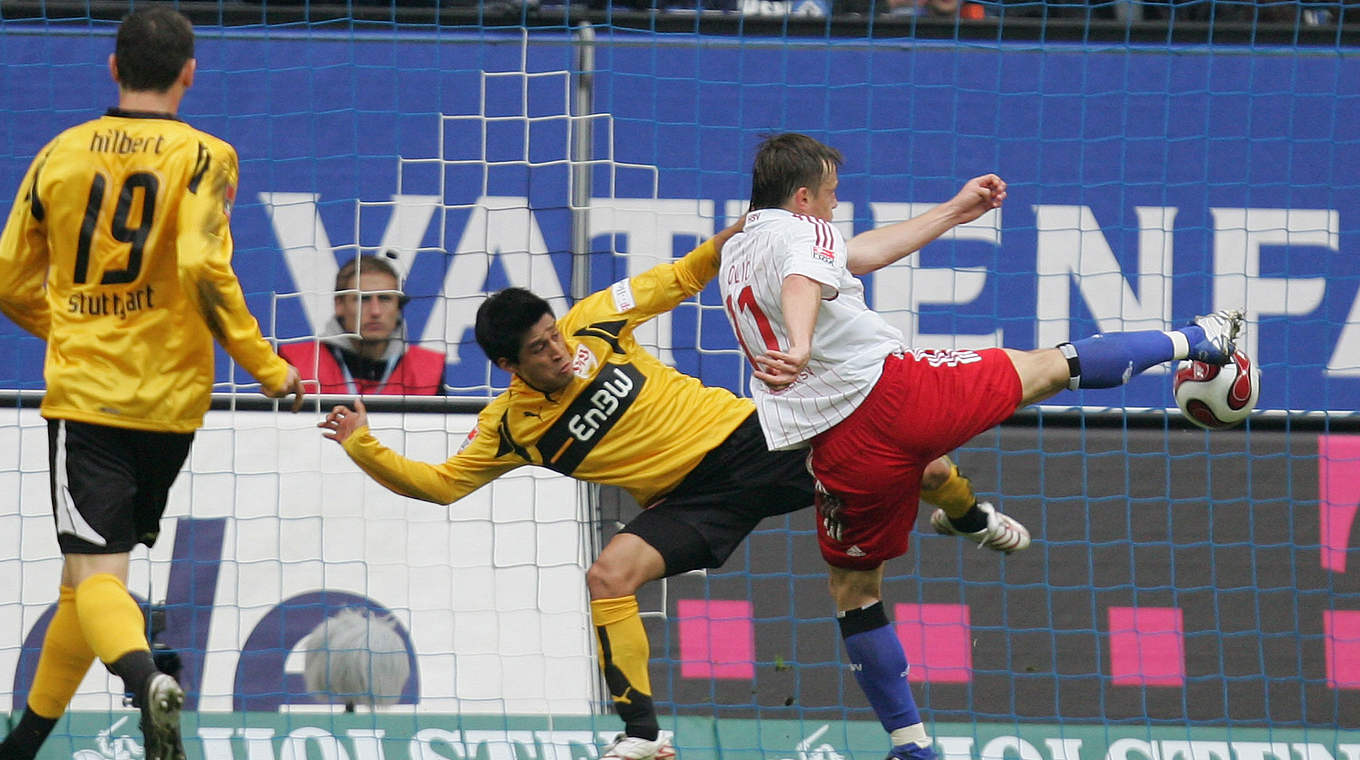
x=1215, y=397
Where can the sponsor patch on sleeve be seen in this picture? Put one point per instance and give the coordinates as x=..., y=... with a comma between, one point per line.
x=468, y=441
x=622, y=292
x=824, y=255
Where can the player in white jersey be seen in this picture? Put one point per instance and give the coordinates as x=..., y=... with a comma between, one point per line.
x=852, y=338
x=832, y=374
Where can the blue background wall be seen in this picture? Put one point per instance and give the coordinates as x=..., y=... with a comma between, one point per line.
x=1110, y=128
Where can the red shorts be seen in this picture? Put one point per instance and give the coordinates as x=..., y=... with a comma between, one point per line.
x=868, y=467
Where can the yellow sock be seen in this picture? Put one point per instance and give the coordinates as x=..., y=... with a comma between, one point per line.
x=624, y=652
x=64, y=659
x=623, y=644
x=955, y=496
x=110, y=618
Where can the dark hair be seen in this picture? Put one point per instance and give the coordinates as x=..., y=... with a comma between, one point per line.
x=785, y=163
x=504, y=318
x=153, y=45
x=346, y=278
x=366, y=262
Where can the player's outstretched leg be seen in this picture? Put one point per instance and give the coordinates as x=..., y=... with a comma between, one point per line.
x=960, y=513
x=161, y=703
x=1110, y=360
x=1220, y=335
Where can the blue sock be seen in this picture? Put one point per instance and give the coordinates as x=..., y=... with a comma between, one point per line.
x=1108, y=361
x=880, y=665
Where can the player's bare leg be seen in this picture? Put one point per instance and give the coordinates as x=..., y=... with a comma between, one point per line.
x=1112, y=359
x=1043, y=373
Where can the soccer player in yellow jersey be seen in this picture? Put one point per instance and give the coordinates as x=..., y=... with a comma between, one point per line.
x=587, y=401
x=117, y=252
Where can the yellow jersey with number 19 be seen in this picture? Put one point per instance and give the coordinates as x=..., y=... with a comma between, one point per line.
x=117, y=251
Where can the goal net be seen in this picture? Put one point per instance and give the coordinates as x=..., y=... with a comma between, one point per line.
x=1188, y=595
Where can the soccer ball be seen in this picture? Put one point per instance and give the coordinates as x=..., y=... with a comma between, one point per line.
x=1215, y=397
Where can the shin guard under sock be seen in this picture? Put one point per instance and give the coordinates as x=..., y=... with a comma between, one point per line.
x=624, y=652
x=880, y=666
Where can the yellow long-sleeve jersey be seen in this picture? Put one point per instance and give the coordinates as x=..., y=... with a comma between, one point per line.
x=626, y=419
x=117, y=252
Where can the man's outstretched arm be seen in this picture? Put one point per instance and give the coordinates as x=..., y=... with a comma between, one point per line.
x=443, y=483
x=875, y=249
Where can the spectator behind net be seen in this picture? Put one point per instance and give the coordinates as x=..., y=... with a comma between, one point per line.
x=362, y=349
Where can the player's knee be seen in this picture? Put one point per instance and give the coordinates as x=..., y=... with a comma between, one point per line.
x=936, y=474
x=851, y=589
x=609, y=579
x=1043, y=372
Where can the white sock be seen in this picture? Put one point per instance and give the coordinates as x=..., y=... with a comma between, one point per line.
x=910, y=735
x=1180, y=345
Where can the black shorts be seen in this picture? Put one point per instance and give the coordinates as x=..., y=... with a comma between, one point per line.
x=109, y=484
x=735, y=486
